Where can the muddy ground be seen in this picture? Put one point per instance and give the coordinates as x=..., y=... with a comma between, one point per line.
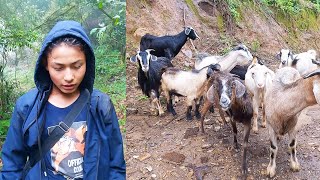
x=173, y=148
x=168, y=148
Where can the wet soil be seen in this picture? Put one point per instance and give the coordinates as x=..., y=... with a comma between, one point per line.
x=172, y=148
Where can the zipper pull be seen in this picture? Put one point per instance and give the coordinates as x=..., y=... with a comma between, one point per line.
x=45, y=173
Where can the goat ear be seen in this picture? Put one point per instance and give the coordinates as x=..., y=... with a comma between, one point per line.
x=278, y=56
x=209, y=72
x=133, y=58
x=240, y=88
x=154, y=58
x=210, y=94
x=187, y=31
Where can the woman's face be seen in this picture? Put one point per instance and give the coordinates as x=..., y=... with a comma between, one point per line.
x=67, y=67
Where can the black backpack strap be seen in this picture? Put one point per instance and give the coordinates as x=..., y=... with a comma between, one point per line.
x=57, y=132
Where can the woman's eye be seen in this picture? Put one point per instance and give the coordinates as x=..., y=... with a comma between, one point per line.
x=58, y=68
x=78, y=66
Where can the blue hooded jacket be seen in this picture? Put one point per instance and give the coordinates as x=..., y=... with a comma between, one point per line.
x=103, y=157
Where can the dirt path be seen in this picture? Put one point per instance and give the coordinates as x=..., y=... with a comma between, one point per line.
x=167, y=148
x=162, y=148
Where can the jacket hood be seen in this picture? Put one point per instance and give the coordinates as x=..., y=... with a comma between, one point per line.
x=65, y=28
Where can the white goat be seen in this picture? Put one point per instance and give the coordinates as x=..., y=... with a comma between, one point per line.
x=257, y=79
x=189, y=84
x=285, y=99
x=302, y=62
x=240, y=55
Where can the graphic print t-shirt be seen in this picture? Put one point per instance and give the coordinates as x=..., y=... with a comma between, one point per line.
x=65, y=159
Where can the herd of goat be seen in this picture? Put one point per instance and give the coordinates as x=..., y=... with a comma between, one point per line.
x=237, y=84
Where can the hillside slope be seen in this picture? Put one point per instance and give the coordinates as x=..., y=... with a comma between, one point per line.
x=172, y=148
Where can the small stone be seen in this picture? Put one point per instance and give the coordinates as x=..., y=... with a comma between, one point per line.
x=149, y=168
x=206, y=146
x=144, y=156
x=183, y=167
x=204, y=160
x=135, y=156
x=217, y=128
x=190, y=174
x=131, y=111
x=188, y=53
x=174, y=157
x=215, y=164
x=153, y=176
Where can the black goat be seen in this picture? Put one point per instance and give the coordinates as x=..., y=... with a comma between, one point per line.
x=149, y=75
x=242, y=70
x=230, y=94
x=167, y=46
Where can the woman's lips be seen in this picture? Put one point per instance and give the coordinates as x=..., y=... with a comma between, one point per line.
x=68, y=86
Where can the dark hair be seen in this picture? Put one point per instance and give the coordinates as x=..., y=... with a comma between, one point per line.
x=70, y=41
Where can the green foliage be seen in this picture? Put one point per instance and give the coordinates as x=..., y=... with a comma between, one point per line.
x=143, y=98
x=111, y=79
x=255, y=45
x=286, y=6
x=234, y=8
x=111, y=32
x=4, y=125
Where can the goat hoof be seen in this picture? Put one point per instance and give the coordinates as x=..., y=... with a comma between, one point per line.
x=237, y=148
x=295, y=166
x=255, y=130
x=271, y=171
x=198, y=116
x=161, y=113
x=154, y=112
x=244, y=171
x=189, y=118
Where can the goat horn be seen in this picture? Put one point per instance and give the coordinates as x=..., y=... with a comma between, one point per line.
x=316, y=72
x=148, y=50
x=315, y=62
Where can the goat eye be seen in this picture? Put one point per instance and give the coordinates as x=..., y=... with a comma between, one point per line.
x=252, y=74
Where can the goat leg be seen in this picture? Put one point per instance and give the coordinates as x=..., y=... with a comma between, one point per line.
x=197, y=113
x=255, y=107
x=189, y=117
x=245, y=148
x=235, y=132
x=170, y=106
x=207, y=104
x=294, y=164
x=271, y=169
x=264, y=118
x=155, y=99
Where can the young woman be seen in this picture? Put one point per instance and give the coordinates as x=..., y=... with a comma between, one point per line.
x=91, y=146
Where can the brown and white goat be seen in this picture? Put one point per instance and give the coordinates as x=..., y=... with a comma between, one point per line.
x=285, y=99
x=231, y=95
x=185, y=83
